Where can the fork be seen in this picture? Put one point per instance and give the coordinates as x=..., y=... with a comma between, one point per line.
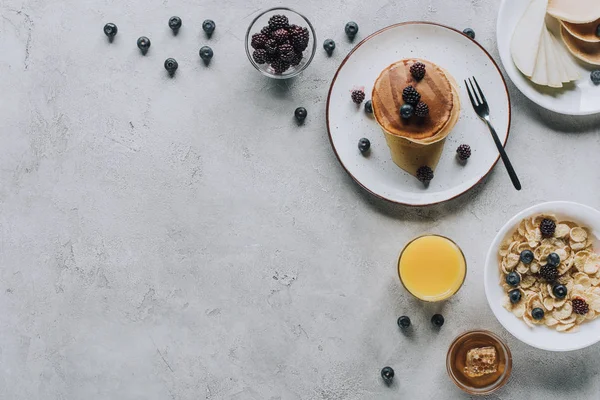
x=482, y=109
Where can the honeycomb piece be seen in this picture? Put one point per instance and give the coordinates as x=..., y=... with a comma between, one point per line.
x=481, y=361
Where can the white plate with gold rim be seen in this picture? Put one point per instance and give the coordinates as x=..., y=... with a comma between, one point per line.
x=541, y=337
x=347, y=123
x=579, y=98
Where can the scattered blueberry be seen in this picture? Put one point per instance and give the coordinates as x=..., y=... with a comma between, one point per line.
x=560, y=291
x=143, y=43
x=595, y=76
x=437, y=320
x=364, y=145
x=527, y=256
x=514, y=296
x=513, y=279
x=470, y=33
x=206, y=53
x=369, y=107
x=175, y=23
x=351, y=30
x=110, y=30
x=300, y=114
x=553, y=259
x=537, y=313
x=404, y=322
x=387, y=373
x=209, y=26
x=406, y=111
x=329, y=46
x=171, y=65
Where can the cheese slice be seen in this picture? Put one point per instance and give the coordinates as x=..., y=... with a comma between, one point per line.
x=568, y=63
x=552, y=62
x=576, y=11
x=526, y=38
x=540, y=72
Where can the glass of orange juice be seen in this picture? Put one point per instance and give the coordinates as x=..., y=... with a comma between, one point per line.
x=432, y=267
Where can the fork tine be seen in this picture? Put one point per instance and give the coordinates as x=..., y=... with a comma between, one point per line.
x=470, y=95
x=475, y=92
x=480, y=91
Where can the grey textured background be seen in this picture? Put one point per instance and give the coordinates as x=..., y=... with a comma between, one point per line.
x=184, y=239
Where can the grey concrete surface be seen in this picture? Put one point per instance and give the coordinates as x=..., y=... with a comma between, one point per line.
x=184, y=239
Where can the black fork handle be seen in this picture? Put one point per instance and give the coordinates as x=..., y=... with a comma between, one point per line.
x=504, y=156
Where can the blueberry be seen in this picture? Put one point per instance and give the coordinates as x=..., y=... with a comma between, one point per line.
x=598, y=30
x=553, y=259
x=387, y=373
x=329, y=46
x=595, y=76
x=364, y=145
x=110, y=30
x=351, y=29
x=175, y=23
x=404, y=322
x=437, y=320
x=171, y=65
x=537, y=313
x=206, y=53
x=143, y=43
x=560, y=291
x=470, y=33
x=514, y=296
x=527, y=256
x=300, y=114
x=406, y=111
x=209, y=26
x=369, y=107
x=513, y=279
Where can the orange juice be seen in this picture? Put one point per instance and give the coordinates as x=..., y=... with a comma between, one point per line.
x=432, y=268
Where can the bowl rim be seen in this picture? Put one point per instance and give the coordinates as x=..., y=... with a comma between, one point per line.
x=296, y=72
x=490, y=267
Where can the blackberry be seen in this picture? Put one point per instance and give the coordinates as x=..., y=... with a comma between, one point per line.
x=369, y=107
x=259, y=41
x=280, y=35
x=280, y=66
x=110, y=30
x=464, y=152
x=271, y=46
x=580, y=306
x=424, y=174
x=270, y=58
x=175, y=23
x=288, y=57
x=358, y=96
x=595, y=77
x=286, y=52
x=266, y=30
x=547, y=227
x=260, y=56
x=299, y=37
x=278, y=22
x=549, y=273
x=422, y=110
x=208, y=26
x=296, y=59
x=143, y=43
x=410, y=95
x=351, y=29
x=417, y=70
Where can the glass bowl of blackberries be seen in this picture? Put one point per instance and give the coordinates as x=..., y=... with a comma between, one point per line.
x=280, y=43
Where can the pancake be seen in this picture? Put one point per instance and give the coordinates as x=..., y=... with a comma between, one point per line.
x=576, y=11
x=585, y=51
x=585, y=32
x=435, y=89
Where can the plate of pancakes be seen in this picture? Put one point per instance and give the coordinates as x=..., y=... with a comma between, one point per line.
x=413, y=157
x=549, y=49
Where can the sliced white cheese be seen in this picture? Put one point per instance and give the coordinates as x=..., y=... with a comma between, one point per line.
x=576, y=11
x=568, y=63
x=553, y=65
x=559, y=65
x=540, y=72
x=526, y=38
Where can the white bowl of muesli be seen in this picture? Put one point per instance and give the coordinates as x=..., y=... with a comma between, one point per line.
x=542, y=276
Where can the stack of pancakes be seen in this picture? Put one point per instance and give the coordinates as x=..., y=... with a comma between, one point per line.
x=416, y=142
